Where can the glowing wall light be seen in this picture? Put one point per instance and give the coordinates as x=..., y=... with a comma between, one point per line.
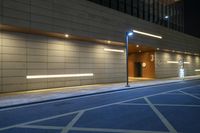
x=186, y=62
x=176, y=62
x=172, y=62
x=58, y=76
x=108, y=41
x=114, y=50
x=66, y=35
x=197, y=70
x=147, y=34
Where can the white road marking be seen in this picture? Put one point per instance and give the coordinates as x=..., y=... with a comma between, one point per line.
x=71, y=124
x=106, y=105
x=190, y=94
x=177, y=105
x=174, y=94
x=38, y=120
x=139, y=104
x=114, y=130
x=162, y=118
x=41, y=127
x=172, y=105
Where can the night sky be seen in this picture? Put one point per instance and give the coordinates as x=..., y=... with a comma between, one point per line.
x=192, y=17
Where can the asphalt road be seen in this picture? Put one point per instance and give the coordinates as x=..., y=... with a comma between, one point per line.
x=165, y=108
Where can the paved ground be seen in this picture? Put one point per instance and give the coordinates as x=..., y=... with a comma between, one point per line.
x=24, y=97
x=173, y=108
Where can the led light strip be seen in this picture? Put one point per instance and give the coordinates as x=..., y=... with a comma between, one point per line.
x=197, y=70
x=172, y=62
x=176, y=62
x=114, y=50
x=147, y=34
x=58, y=76
x=186, y=62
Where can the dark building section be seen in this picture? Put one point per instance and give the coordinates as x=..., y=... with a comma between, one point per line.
x=168, y=13
x=192, y=18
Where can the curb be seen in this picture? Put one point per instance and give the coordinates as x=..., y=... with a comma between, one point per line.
x=94, y=93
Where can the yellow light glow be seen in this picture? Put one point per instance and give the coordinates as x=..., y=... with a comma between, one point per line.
x=66, y=35
x=186, y=62
x=147, y=34
x=59, y=76
x=197, y=70
x=137, y=46
x=172, y=62
x=114, y=50
x=176, y=62
x=109, y=41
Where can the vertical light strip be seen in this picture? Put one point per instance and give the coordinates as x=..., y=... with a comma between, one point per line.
x=59, y=76
x=147, y=34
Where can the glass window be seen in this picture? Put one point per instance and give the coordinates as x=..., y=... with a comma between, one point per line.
x=114, y=4
x=135, y=3
x=129, y=7
x=121, y=5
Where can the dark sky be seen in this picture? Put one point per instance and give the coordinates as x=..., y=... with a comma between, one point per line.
x=192, y=17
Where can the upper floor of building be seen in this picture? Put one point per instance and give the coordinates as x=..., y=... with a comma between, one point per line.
x=168, y=13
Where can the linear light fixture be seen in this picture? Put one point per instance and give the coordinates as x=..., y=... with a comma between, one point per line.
x=172, y=62
x=114, y=50
x=147, y=34
x=197, y=70
x=176, y=62
x=59, y=76
x=186, y=62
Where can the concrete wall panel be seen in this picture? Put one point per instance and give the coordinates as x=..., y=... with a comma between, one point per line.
x=22, y=55
x=166, y=70
x=84, y=18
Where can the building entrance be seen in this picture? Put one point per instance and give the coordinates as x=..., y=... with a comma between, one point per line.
x=138, y=69
x=141, y=62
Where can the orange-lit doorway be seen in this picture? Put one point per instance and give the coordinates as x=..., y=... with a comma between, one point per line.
x=141, y=62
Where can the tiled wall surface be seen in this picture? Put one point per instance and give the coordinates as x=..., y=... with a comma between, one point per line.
x=165, y=70
x=26, y=54
x=84, y=18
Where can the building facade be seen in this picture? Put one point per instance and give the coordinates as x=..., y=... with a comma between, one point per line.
x=49, y=43
x=168, y=13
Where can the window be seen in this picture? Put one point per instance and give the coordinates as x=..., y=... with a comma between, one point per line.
x=121, y=5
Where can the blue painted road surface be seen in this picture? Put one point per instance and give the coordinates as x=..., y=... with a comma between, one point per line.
x=165, y=108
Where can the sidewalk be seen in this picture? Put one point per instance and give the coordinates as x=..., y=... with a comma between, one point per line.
x=17, y=98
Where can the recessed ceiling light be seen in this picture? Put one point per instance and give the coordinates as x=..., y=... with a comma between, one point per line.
x=158, y=48
x=137, y=46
